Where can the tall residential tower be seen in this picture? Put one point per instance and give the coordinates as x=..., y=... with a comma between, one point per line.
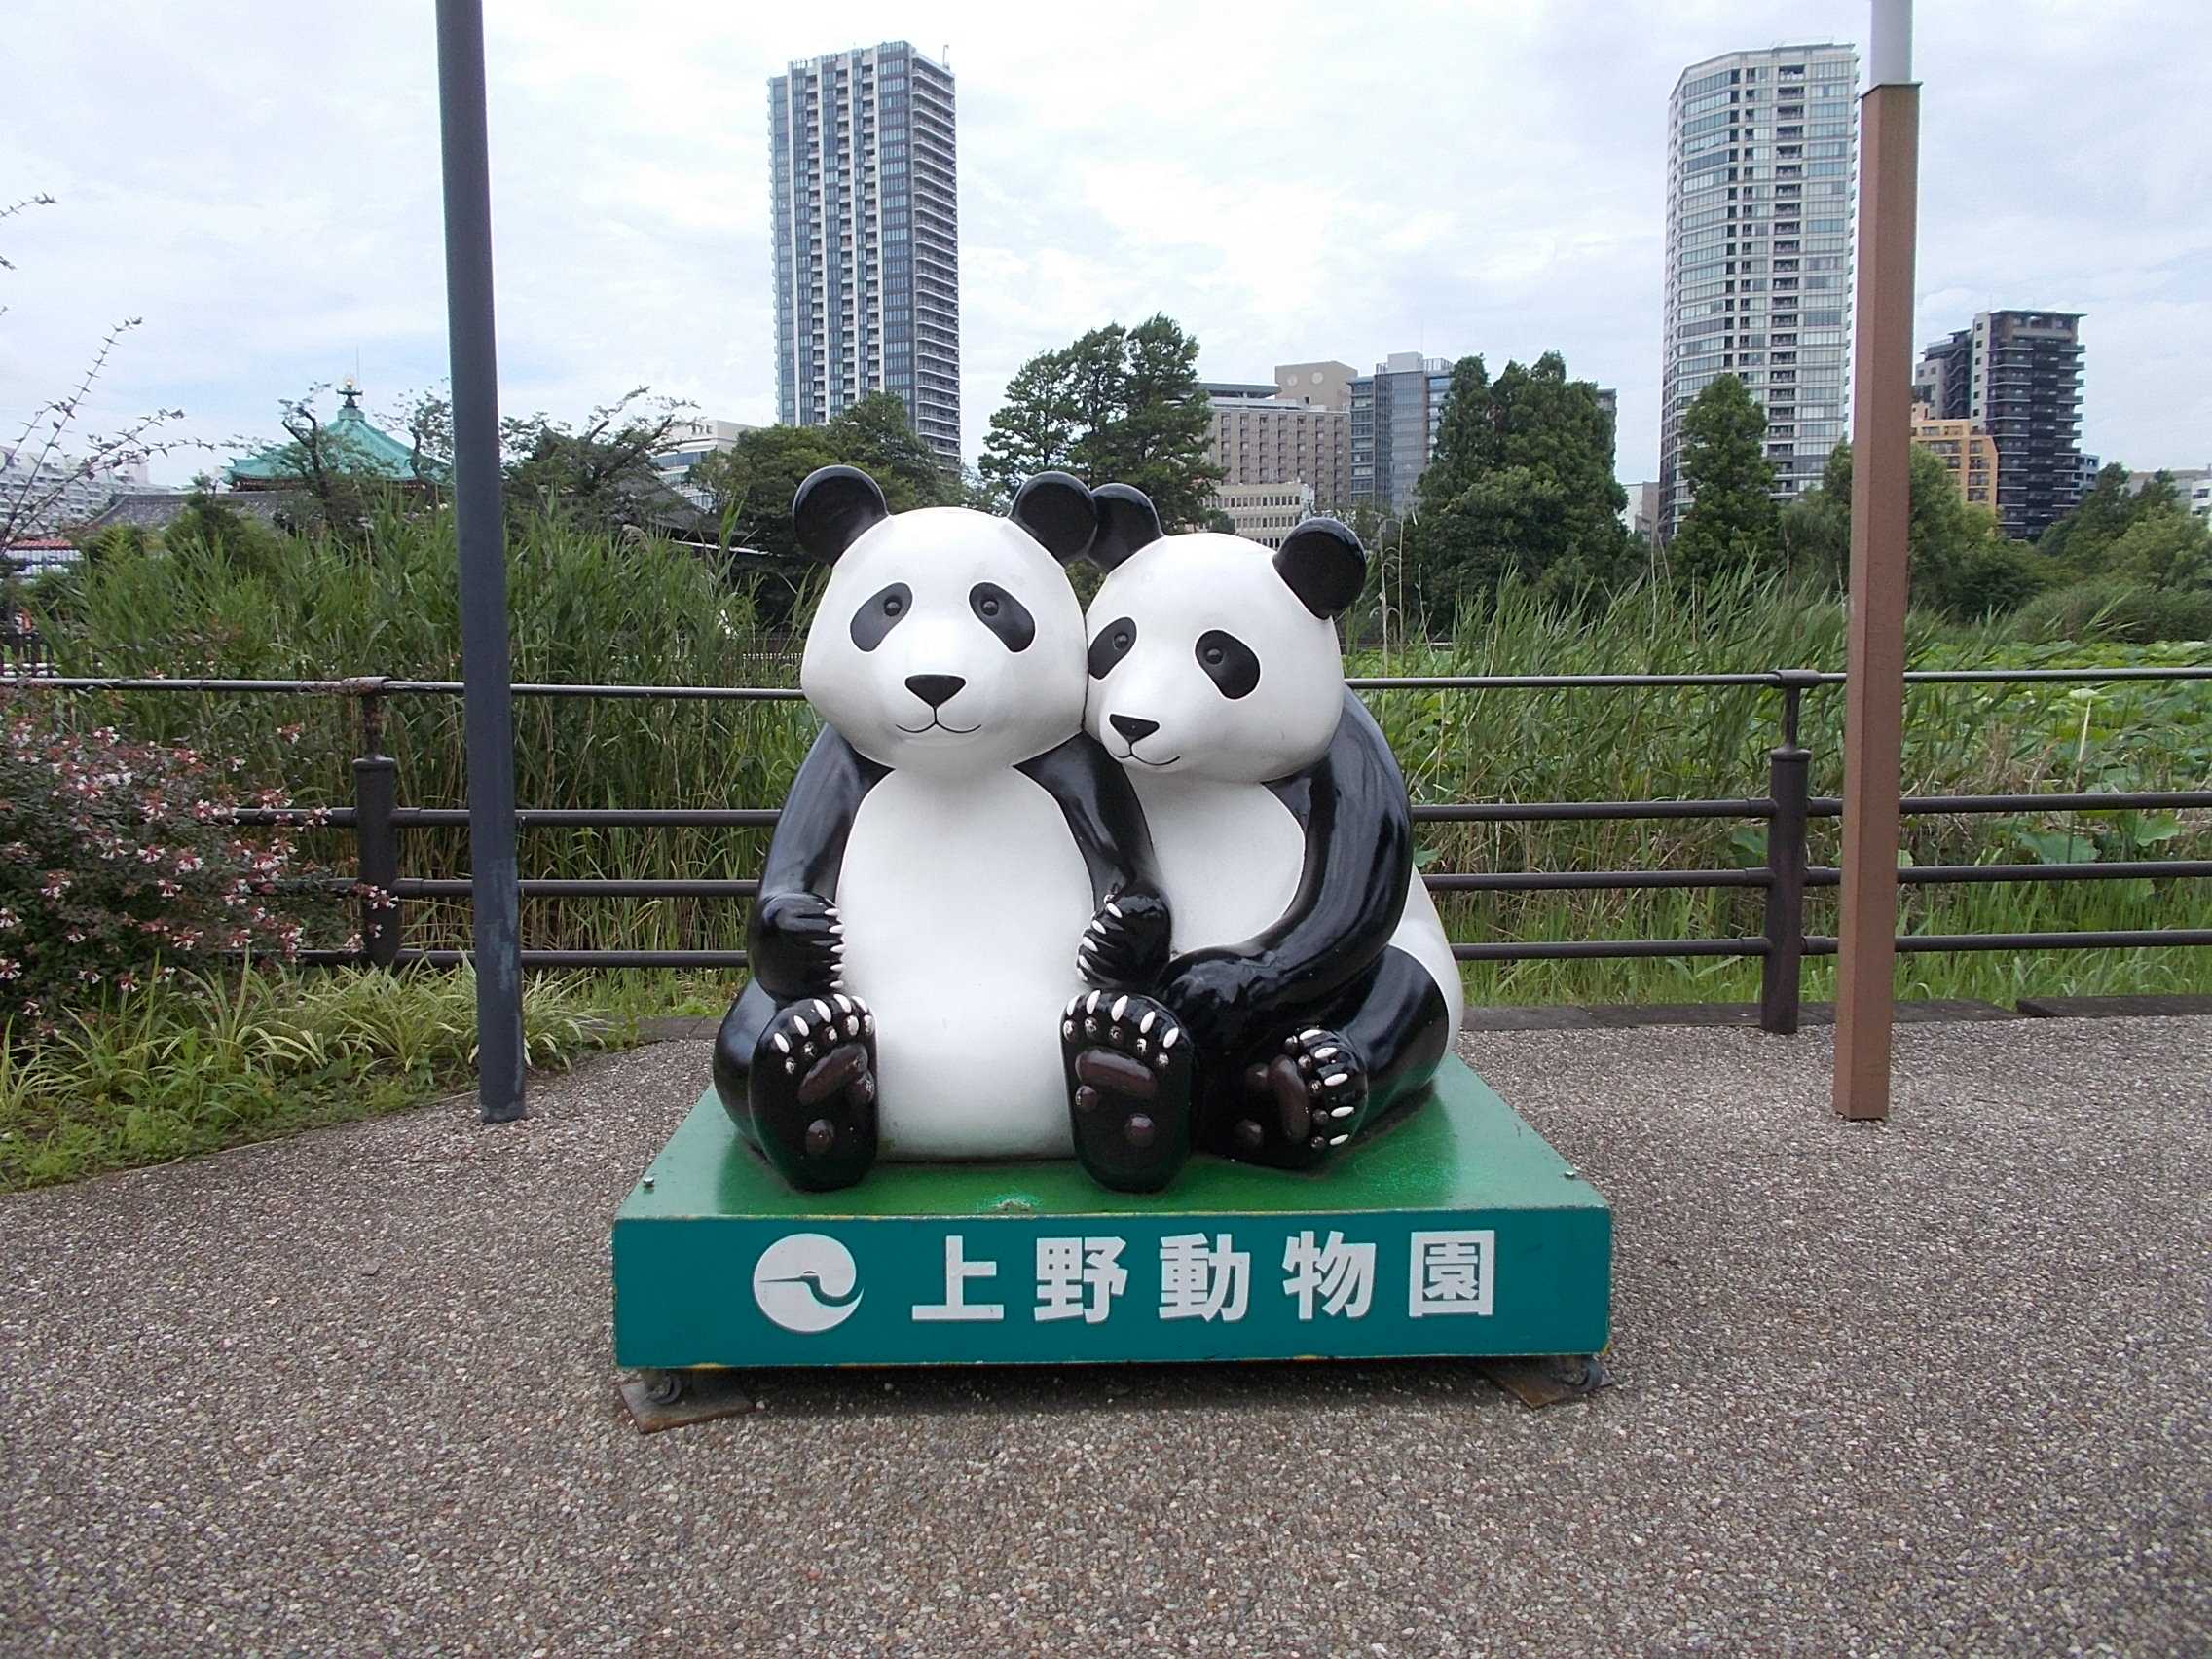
x=1761, y=148
x=2016, y=375
x=867, y=238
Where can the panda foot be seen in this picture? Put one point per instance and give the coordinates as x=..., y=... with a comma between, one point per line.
x=1302, y=1105
x=1128, y=1075
x=813, y=1092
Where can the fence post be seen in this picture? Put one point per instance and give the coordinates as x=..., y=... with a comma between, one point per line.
x=375, y=796
x=1788, y=786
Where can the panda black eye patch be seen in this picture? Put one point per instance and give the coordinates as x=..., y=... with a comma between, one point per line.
x=1114, y=643
x=1003, y=614
x=880, y=615
x=1228, y=662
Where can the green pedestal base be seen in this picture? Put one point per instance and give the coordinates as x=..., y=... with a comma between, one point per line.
x=1457, y=1231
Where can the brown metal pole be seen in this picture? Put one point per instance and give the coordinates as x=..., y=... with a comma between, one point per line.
x=1881, y=484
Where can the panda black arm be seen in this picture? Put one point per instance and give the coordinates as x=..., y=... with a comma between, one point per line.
x=795, y=952
x=1128, y=940
x=1359, y=861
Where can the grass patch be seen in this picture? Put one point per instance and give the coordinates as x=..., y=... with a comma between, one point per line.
x=207, y=1061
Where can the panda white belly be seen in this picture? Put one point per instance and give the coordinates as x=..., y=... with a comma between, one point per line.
x=1231, y=856
x=963, y=901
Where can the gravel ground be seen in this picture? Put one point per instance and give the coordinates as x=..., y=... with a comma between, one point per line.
x=1939, y=1386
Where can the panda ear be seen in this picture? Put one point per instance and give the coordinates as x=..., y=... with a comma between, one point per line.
x=1322, y=561
x=1056, y=509
x=1126, y=521
x=834, y=507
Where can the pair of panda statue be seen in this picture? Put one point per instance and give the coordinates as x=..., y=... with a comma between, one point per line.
x=1122, y=886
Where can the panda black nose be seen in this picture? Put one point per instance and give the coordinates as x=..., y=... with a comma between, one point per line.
x=1131, y=727
x=934, y=688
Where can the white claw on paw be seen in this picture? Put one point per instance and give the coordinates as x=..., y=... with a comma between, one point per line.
x=1167, y=1037
x=781, y=1042
x=1113, y=909
x=836, y=928
x=1119, y=1004
x=1309, y=1033
x=823, y=1008
x=1339, y=1140
x=1335, y=1078
x=1145, y=1024
x=798, y=1025
x=1324, y=1054
x=1343, y=1111
x=1075, y=1002
x=1091, y=1007
x=844, y=1005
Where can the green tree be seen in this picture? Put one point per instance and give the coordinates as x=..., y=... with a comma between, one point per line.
x=1520, y=487
x=1959, y=562
x=749, y=487
x=1117, y=405
x=600, y=474
x=1732, y=523
x=876, y=436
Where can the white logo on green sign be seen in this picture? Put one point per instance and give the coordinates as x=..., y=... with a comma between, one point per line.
x=806, y=1282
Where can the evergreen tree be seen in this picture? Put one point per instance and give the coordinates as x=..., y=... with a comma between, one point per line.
x=1520, y=487
x=876, y=436
x=1732, y=523
x=1118, y=405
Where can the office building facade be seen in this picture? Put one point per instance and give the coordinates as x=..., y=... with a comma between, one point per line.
x=1394, y=415
x=2017, y=376
x=1262, y=441
x=1761, y=157
x=1264, y=514
x=867, y=238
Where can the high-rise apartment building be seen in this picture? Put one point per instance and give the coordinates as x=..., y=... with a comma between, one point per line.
x=1394, y=417
x=867, y=238
x=1761, y=152
x=2017, y=376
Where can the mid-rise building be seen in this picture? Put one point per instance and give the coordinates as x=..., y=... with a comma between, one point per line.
x=1761, y=152
x=687, y=443
x=867, y=238
x=1264, y=514
x=1394, y=414
x=1643, y=510
x=1270, y=440
x=2198, y=499
x=38, y=495
x=1967, y=451
x=2017, y=375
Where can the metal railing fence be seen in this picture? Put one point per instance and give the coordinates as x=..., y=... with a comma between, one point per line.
x=378, y=821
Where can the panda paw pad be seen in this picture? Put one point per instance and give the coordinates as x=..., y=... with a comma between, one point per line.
x=814, y=1091
x=1304, y=1103
x=1128, y=1075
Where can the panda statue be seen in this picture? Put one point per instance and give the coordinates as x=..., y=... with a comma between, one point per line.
x=957, y=867
x=1311, y=969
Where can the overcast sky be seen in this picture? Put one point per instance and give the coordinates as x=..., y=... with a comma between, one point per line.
x=1289, y=181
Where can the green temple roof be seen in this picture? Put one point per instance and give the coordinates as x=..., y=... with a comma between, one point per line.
x=352, y=445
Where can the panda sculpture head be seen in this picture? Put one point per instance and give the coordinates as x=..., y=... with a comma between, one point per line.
x=1212, y=657
x=947, y=642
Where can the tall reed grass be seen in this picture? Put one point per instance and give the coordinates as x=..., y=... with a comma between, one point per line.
x=587, y=609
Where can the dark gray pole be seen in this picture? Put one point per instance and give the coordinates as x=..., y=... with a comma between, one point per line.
x=488, y=702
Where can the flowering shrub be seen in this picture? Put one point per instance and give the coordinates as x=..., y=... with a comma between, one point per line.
x=120, y=861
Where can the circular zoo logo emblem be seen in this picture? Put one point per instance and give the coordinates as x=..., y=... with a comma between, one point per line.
x=807, y=1282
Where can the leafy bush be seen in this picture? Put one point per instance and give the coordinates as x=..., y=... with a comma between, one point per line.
x=120, y=863
x=2117, y=608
